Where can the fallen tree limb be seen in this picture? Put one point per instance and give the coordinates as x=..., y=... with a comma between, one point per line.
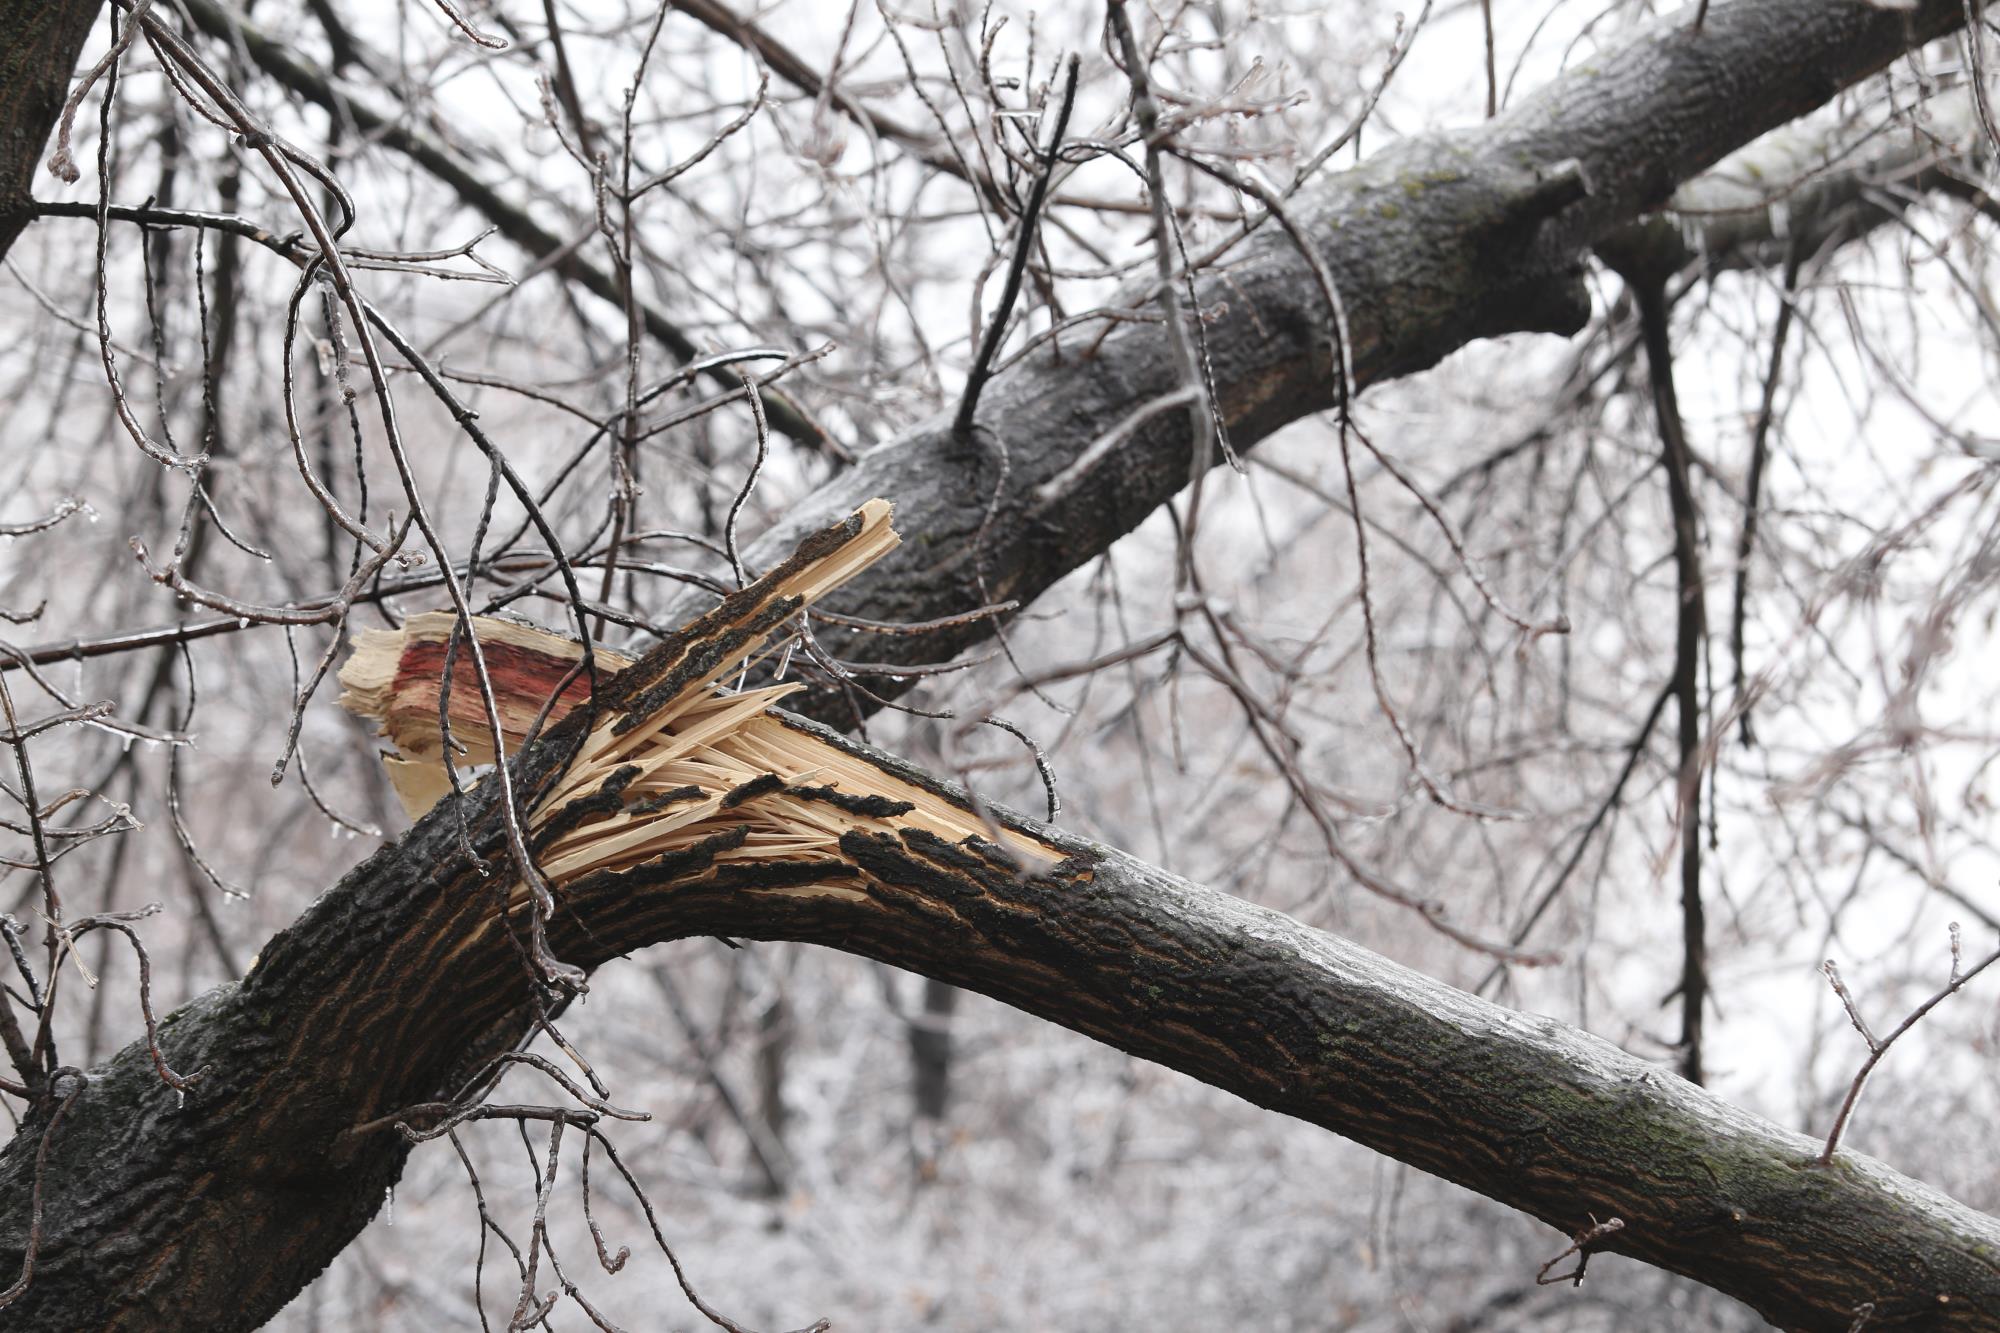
x=209, y=1208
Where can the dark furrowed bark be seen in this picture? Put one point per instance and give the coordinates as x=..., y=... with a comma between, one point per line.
x=1436, y=242
x=210, y=1213
x=39, y=45
x=397, y=983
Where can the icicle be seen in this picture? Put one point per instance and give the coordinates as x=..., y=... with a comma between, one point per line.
x=1693, y=234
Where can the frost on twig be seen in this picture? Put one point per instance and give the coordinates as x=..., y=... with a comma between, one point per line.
x=1879, y=1046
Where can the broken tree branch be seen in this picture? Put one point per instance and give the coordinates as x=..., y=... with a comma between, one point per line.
x=407, y=977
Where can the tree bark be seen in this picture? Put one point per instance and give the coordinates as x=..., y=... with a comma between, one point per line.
x=39, y=45
x=213, y=1211
x=397, y=984
x=1436, y=242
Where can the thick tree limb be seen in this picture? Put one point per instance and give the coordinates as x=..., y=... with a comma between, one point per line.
x=1802, y=191
x=399, y=982
x=210, y=1210
x=1436, y=242
x=1424, y=266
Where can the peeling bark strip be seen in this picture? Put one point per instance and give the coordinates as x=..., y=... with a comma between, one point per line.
x=400, y=983
x=671, y=762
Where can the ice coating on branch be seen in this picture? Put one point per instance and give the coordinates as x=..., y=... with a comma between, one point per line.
x=1771, y=170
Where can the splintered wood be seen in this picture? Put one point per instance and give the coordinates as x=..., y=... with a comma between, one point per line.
x=677, y=758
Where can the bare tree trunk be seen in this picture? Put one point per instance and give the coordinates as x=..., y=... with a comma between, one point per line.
x=39, y=45
x=930, y=1050
x=774, y=1044
x=930, y=1076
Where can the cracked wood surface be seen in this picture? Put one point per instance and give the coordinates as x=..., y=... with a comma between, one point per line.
x=386, y=992
x=213, y=1210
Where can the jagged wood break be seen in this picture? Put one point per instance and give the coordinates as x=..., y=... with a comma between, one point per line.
x=397, y=987
x=686, y=771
